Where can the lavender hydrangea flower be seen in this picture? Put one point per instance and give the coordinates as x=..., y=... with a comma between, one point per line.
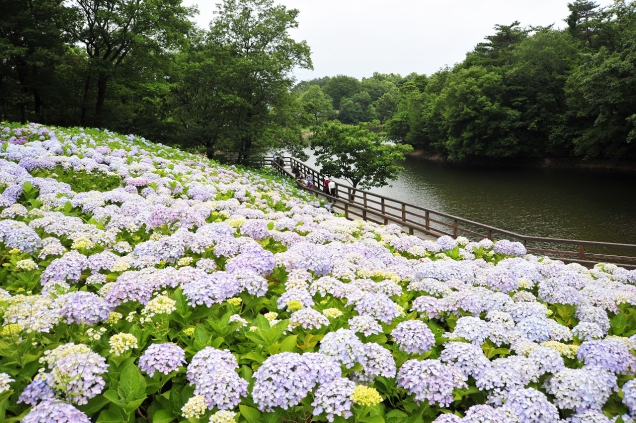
x=307, y=318
x=486, y=414
x=413, y=337
x=222, y=388
x=213, y=373
x=365, y=325
x=430, y=380
x=431, y=307
x=36, y=391
x=378, y=306
x=345, y=346
x=448, y=418
x=209, y=359
x=581, y=389
x=509, y=248
x=469, y=358
x=610, y=354
x=531, y=406
x=629, y=398
x=547, y=360
x=378, y=362
x=75, y=372
x=55, y=411
x=256, y=229
x=472, y=329
x=499, y=381
x=212, y=289
x=590, y=416
x=260, y=261
x=535, y=328
x=334, y=399
x=83, y=308
x=588, y=331
x=162, y=358
x=284, y=379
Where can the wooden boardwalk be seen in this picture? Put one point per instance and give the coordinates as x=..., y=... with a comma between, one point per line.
x=430, y=224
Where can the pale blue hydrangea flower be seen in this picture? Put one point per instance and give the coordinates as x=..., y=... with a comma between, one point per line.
x=581, y=389
x=55, y=411
x=162, y=358
x=365, y=325
x=469, y=358
x=413, y=337
x=430, y=380
x=531, y=406
x=345, y=346
x=334, y=399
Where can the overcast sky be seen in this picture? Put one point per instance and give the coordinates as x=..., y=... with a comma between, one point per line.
x=358, y=37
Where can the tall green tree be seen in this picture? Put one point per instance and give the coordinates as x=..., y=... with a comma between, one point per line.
x=235, y=85
x=32, y=44
x=110, y=30
x=341, y=86
x=354, y=153
x=317, y=105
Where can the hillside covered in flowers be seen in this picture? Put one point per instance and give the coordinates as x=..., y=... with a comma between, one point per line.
x=143, y=284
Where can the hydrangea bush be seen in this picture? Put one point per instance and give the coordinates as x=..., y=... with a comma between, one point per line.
x=140, y=283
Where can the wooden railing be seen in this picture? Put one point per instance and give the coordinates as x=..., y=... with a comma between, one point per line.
x=417, y=220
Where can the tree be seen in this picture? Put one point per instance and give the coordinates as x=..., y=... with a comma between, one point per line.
x=386, y=106
x=317, y=105
x=496, y=50
x=356, y=154
x=111, y=29
x=341, y=86
x=356, y=109
x=248, y=58
x=583, y=18
x=31, y=45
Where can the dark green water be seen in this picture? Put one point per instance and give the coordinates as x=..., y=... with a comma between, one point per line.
x=557, y=203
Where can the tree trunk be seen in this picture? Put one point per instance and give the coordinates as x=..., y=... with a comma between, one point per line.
x=87, y=89
x=101, y=96
x=37, y=107
x=352, y=196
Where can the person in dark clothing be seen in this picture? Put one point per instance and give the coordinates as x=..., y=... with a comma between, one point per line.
x=295, y=171
x=325, y=186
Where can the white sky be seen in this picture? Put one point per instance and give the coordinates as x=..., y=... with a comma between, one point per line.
x=358, y=37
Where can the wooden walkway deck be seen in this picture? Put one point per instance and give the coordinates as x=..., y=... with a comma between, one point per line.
x=430, y=224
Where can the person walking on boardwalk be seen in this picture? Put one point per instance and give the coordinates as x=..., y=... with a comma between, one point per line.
x=325, y=186
x=332, y=189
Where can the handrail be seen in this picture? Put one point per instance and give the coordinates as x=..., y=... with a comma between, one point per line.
x=360, y=203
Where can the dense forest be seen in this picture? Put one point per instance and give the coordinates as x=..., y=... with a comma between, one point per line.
x=523, y=92
x=141, y=66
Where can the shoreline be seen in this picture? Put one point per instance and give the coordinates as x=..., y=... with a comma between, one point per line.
x=623, y=166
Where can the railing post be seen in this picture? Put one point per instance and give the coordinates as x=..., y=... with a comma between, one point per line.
x=489, y=234
x=403, y=212
x=364, y=214
x=455, y=228
x=364, y=199
x=346, y=209
x=581, y=252
x=427, y=220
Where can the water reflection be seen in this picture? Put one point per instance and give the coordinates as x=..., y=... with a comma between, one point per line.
x=557, y=203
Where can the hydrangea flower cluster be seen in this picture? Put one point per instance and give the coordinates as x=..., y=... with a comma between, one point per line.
x=167, y=255
x=431, y=380
x=162, y=358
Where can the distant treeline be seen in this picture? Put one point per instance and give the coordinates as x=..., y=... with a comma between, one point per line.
x=523, y=92
x=141, y=66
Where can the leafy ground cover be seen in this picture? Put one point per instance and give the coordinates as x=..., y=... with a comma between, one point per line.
x=143, y=284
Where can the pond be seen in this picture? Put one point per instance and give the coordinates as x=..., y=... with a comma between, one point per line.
x=557, y=203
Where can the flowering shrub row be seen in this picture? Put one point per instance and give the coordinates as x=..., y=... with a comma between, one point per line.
x=140, y=283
